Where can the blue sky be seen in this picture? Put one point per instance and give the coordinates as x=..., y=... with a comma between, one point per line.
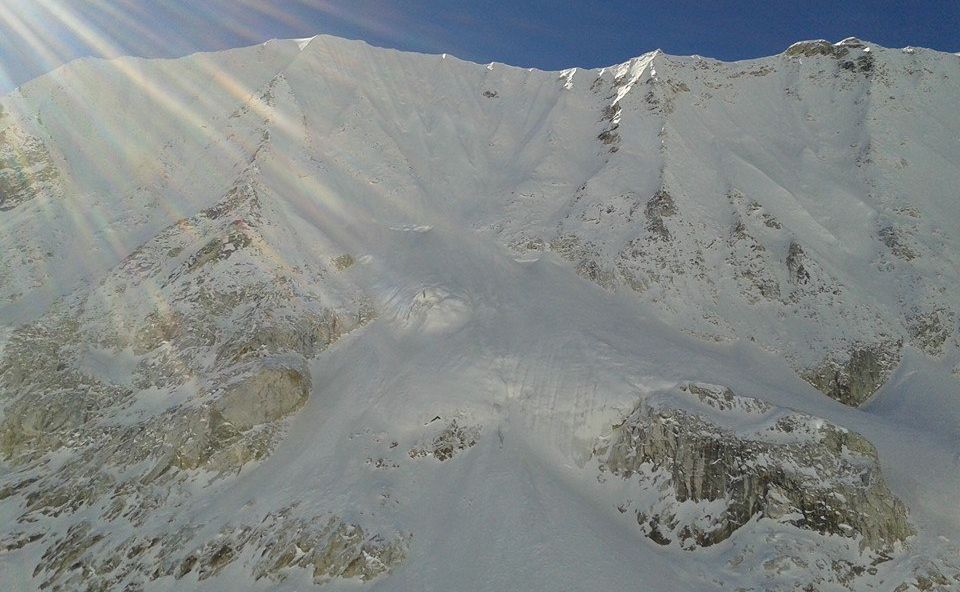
x=37, y=35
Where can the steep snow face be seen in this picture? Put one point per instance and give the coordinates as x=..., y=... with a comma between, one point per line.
x=312, y=311
x=781, y=200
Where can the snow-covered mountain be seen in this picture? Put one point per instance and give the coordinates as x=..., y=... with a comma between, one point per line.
x=314, y=313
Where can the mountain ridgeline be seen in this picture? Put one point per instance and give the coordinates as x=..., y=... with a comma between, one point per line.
x=313, y=313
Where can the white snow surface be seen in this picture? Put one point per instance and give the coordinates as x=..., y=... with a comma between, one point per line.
x=434, y=188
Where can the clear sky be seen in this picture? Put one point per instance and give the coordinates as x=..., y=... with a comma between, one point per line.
x=38, y=35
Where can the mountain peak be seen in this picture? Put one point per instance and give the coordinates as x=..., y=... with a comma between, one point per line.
x=314, y=312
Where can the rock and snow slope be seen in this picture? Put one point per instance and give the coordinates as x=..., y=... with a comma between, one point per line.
x=313, y=313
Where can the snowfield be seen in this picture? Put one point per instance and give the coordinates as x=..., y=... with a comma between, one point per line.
x=318, y=315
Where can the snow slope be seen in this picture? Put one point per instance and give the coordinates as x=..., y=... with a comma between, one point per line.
x=317, y=312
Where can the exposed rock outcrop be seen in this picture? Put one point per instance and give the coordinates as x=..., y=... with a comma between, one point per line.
x=27, y=169
x=709, y=462
x=660, y=206
x=268, y=395
x=856, y=378
x=202, y=378
x=344, y=262
x=819, y=47
x=451, y=440
x=898, y=241
x=930, y=330
x=279, y=544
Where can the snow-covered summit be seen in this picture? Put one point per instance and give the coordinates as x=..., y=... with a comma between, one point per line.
x=314, y=311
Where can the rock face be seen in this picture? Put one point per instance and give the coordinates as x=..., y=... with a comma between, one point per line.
x=243, y=341
x=724, y=460
x=741, y=262
x=820, y=47
x=202, y=378
x=280, y=542
x=451, y=440
x=855, y=380
x=268, y=396
x=27, y=169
